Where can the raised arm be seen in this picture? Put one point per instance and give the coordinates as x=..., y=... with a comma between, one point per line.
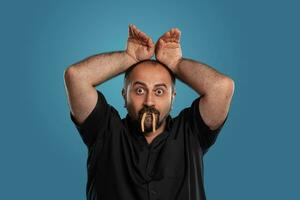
x=216, y=88
x=81, y=78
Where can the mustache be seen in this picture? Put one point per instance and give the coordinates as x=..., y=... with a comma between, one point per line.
x=148, y=109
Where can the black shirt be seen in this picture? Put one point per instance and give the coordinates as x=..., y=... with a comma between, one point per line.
x=122, y=165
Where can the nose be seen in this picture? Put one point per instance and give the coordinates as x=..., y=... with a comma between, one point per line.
x=149, y=100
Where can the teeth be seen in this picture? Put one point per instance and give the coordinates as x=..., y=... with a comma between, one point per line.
x=153, y=122
x=142, y=122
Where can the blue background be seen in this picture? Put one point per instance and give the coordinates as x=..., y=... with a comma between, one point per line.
x=255, y=42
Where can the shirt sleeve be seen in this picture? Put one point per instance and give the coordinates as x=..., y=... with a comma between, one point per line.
x=206, y=136
x=93, y=126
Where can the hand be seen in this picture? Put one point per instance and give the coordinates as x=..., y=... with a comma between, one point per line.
x=168, y=49
x=139, y=45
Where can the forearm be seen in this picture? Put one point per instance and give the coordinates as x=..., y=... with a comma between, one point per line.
x=99, y=68
x=201, y=77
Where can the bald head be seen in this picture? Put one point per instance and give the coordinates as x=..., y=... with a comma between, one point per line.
x=146, y=64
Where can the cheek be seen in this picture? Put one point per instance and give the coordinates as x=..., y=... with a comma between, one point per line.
x=165, y=107
x=134, y=105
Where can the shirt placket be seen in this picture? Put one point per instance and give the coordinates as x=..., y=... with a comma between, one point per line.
x=151, y=184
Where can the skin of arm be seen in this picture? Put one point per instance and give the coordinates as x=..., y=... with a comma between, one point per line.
x=82, y=77
x=216, y=88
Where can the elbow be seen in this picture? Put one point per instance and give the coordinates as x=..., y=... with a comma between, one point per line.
x=228, y=86
x=225, y=86
x=70, y=74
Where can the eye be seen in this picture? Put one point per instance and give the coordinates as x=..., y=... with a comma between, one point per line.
x=140, y=91
x=159, y=92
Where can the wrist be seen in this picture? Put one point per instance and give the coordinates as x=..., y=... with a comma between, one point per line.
x=175, y=65
x=130, y=57
x=130, y=60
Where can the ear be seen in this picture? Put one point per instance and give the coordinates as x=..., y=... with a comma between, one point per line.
x=173, y=94
x=124, y=97
x=124, y=93
x=173, y=97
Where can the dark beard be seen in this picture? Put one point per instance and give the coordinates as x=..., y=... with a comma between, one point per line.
x=136, y=123
x=149, y=129
x=149, y=111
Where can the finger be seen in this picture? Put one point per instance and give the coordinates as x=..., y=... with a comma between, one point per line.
x=160, y=43
x=169, y=37
x=150, y=42
x=135, y=28
x=173, y=36
x=142, y=36
x=131, y=29
x=165, y=35
x=173, y=32
x=177, y=34
x=151, y=47
x=135, y=31
x=157, y=47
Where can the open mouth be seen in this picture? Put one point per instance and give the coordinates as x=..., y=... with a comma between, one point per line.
x=148, y=117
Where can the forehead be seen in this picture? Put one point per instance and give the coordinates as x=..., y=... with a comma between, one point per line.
x=150, y=74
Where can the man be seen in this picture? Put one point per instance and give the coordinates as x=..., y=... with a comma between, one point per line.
x=148, y=154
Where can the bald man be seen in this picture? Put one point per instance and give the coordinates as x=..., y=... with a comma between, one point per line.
x=148, y=154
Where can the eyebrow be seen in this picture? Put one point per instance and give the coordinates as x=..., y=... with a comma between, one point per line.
x=144, y=84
